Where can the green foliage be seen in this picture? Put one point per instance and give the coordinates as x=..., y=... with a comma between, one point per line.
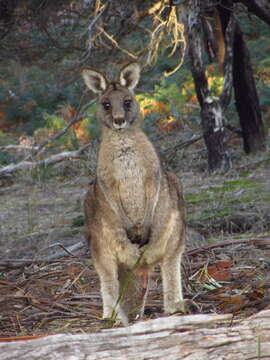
x=40, y=87
x=55, y=124
x=42, y=173
x=91, y=125
x=258, y=41
x=264, y=94
x=5, y=157
x=35, y=91
x=5, y=139
x=234, y=185
x=172, y=96
x=256, y=33
x=223, y=199
x=168, y=92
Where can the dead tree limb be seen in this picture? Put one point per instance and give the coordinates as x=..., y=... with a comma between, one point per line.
x=258, y=242
x=17, y=147
x=78, y=117
x=23, y=165
x=171, y=150
x=55, y=136
x=189, y=337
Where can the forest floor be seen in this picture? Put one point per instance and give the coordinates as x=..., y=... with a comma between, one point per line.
x=226, y=266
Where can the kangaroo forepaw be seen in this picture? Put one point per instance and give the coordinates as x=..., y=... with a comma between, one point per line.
x=116, y=318
x=108, y=323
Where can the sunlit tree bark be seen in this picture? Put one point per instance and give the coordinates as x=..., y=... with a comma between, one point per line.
x=212, y=109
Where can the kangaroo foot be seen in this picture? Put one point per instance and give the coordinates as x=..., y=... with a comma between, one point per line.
x=186, y=306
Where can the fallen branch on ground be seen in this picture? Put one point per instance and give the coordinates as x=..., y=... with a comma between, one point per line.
x=171, y=150
x=15, y=263
x=18, y=147
x=260, y=242
x=191, y=337
x=23, y=165
x=254, y=163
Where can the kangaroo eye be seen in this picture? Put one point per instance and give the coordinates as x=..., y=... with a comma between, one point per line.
x=127, y=104
x=106, y=106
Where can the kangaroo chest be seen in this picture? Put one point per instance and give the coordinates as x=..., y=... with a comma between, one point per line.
x=127, y=166
x=130, y=175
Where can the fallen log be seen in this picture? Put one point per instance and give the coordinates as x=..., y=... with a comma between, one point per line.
x=191, y=337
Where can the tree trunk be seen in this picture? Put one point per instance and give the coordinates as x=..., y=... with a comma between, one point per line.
x=246, y=98
x=214, y=135
x=192, y=337
x=212, y=111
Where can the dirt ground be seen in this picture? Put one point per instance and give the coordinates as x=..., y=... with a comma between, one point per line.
x=226, y=266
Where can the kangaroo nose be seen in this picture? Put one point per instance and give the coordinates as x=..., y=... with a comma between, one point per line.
x=119, y=121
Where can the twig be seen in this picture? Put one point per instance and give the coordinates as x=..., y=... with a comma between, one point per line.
x=182, y=145
x=256, y=241
x=60, y=133
x=17, y=147
x=15, y=263
x=254, y=163
x=87, y=52
x=61, y=246
x=116, y=44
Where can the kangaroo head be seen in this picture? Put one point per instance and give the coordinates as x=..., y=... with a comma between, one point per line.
x=117, y=107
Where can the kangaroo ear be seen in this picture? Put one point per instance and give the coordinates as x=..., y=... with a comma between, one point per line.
x=94, y=80
x=130, y=75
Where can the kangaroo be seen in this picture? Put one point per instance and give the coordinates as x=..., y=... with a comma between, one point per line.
x=135, y=213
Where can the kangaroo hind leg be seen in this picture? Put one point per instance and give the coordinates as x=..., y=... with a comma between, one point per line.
x=110, y=291
x=172, y=287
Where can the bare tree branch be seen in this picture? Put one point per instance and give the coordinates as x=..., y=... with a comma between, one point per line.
x=78, y=117
x=23, y=165
x=17, y=147
x=171, y=150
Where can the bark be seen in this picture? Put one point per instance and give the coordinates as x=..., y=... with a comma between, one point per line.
x=246, y=98
x=190, y=337
x=212, y=110
x=228, y=29
x=210, y=40
x=214, y=135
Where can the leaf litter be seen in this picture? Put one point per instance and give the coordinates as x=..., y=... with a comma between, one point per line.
x=64, y=296
x=228, y=273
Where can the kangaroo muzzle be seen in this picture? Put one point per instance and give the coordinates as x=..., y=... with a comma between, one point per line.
x=119, y=123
